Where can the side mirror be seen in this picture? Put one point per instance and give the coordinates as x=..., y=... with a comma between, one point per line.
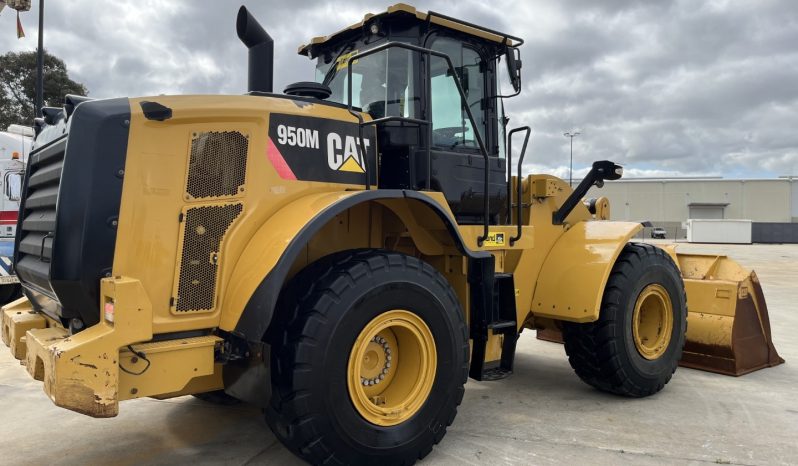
x=513, y=56
x=606, y=170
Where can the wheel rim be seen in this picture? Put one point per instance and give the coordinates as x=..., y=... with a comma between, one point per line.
x=652, y=321
x=391, y=368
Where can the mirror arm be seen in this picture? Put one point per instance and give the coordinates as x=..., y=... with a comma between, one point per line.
x=601, y=171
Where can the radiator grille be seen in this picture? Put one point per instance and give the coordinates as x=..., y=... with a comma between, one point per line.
x=217, y=164
x=37, y=218
x=204, y=229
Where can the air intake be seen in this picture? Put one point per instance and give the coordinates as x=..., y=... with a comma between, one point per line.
x=204, y=229
x=217, y=165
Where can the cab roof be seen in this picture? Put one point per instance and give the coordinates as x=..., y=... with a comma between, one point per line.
x=405, y=10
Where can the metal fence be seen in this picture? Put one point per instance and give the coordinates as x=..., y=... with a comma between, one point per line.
x=767, y=232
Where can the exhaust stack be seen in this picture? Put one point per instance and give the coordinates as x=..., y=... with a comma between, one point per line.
x=261, y=51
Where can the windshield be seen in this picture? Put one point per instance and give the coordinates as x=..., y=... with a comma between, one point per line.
x=382, y=83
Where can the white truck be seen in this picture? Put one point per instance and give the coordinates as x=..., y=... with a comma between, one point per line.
x=15, y=144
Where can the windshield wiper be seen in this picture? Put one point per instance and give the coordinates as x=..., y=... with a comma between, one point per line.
x=334, y=67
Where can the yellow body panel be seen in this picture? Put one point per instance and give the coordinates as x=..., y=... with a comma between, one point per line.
x=154, y=188
x=267, y=245
x=577, y=268
x=172, y=365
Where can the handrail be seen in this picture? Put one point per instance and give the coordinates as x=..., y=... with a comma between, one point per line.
x=519, y=188
x=463, y=102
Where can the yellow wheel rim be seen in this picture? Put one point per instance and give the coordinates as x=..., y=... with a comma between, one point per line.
x=391, y=368
x=652, y=321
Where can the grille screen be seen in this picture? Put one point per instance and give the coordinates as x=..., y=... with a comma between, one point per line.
x=217, y=165
x=203, y=230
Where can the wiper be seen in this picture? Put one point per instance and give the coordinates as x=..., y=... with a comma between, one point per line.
x=334, y=68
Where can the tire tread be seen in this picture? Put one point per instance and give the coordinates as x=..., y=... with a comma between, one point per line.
x=593, y=348
x=290, y=415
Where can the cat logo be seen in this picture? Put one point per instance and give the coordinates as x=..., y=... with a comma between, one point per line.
x=494, y=239
x=344, y=155
x=321, y=149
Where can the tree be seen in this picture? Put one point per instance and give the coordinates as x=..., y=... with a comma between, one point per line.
x=18, y=86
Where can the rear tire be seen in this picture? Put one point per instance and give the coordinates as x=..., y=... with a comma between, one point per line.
x=636, y=343
x=325, y=317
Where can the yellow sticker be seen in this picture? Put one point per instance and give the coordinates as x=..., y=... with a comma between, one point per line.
x=343, y=60
x=494, y=239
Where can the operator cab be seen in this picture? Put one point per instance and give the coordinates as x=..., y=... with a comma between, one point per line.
x=404, y=89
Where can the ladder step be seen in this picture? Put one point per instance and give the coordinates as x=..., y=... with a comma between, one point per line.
x=497, y=373
x=501, y=325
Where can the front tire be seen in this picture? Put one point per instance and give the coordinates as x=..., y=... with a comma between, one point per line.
x=369, y=360
x=636, y=343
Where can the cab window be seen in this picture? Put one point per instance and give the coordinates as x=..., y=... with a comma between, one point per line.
x=451, y=128
x=382, y=83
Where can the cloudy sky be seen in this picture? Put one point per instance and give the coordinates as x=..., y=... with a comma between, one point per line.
x=665, y=88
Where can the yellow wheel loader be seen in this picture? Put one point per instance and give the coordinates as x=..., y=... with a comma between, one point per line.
x=347, y=253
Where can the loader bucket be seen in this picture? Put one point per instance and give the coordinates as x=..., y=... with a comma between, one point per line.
x=728, y=328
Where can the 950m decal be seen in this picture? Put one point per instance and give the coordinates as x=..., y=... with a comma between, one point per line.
x=319, y=149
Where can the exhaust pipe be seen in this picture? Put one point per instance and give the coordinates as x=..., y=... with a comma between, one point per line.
x=261, y=52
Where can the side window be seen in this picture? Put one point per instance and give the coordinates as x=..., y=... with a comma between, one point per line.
x=382, y=84
x=368, y=81
x=12, y=184
x=451, y=128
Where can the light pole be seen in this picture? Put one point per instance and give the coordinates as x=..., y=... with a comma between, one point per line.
x=571, y=171
x=39, y=97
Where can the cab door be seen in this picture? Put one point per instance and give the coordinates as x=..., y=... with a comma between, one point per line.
x=457, y=162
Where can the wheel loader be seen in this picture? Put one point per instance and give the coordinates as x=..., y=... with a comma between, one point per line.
x=347, y=253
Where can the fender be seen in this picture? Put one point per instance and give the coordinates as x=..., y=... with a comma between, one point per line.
x=264, y=265
x=573, y=276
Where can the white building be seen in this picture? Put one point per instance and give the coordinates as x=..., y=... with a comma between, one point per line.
x=772, y=204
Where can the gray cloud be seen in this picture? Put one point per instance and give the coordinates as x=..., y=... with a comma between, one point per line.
x=675, y=87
